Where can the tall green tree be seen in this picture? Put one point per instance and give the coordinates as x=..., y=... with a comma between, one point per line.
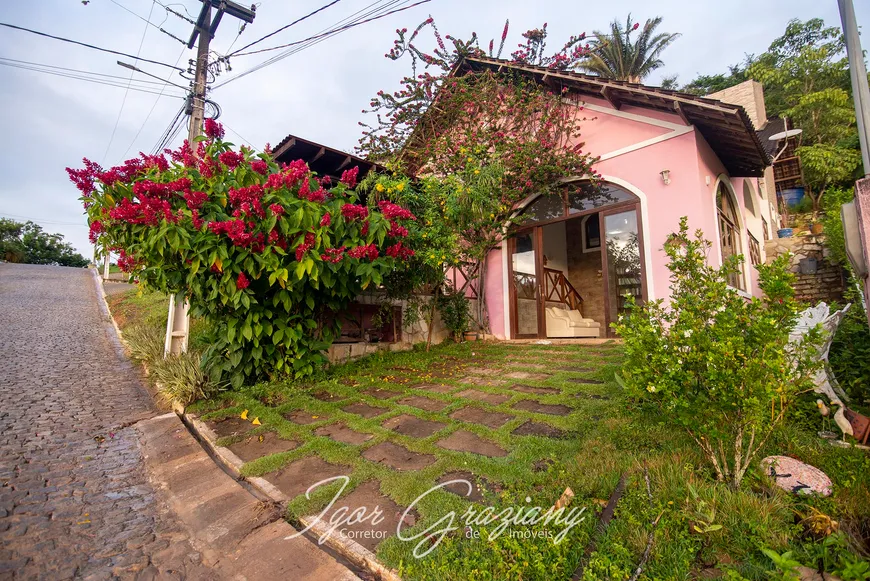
x=622, y=56
x=28, y=243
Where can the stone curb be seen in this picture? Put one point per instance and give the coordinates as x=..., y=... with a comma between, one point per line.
x=349, y=549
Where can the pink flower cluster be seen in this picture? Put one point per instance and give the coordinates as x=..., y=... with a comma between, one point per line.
x=242, y=281
x=149, y=211
x=316, y=196
x=96, y=229
x=354, y=212
x=370, y=251
x=147, y=188
x=247, y=201
x=214, y=129
x=195, y=200
x=277, y=209
x=231, y=159
x=305, y=246
x=349, y=177
x=326, y=220
x=126, y=262
x=236, y=231
x=397, y=250
x=333, y=255
x=393, y=211
x=260, y=166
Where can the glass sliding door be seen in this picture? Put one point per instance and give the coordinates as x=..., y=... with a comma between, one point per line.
x=525, y=284
x=623, y=256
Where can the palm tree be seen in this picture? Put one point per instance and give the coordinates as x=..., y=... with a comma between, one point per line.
x=615, y=56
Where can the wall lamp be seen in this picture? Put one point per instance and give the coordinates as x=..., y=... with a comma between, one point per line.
x=666, y=176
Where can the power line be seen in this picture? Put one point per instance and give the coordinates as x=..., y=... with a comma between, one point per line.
x=148, y=20
x=127, y=91
x=297, y=21
x=39, y=220
x=79, y=77
x=301, y=45
x=80, y=71
x=86, y=45
x=153, y=106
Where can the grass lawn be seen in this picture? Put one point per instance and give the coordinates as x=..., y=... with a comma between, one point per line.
x=523, y=423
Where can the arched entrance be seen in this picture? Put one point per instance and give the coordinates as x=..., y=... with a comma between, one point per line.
x=574, y=260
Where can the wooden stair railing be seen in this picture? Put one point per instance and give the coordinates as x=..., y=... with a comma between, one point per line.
x=557, y=288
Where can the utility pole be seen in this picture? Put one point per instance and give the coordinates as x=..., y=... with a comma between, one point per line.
x=178, y=321
x=858, y=72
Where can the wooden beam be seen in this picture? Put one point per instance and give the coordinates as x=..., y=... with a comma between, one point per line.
x=607, y=93
x=681, y=113
x=319, y=155
x=345, y=163
x=284, y=148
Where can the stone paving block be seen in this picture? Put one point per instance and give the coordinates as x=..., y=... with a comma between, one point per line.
x=231, y=426
x=260, y=445
x=585, y=381
x=535, y=390
x=538, y=429
x=380, y=393
x=542, y=408
x=409, y=425
x=397, y=457
x=423, y=403
x=476, y=415
x=365, y=410
x=295, y=478
x=527, y=375
x=472, y=493
x=368, y=533
x=484, y=396
x=463, y=441
x=436, y=387
x=341, y=433
x=324, y=395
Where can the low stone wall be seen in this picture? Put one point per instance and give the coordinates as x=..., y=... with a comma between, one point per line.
x=826, y=284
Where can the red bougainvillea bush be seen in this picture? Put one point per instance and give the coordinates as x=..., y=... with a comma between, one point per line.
x=267, y=253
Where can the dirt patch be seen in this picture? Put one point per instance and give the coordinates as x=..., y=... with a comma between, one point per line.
x=542, y=465
x=490, y=398
x=462, y=441
x=365, y=410
x=577, y=369
x=435, y=387
x=304, y=417
x=542, y=408
x=397, y=457
x=535, y=390
x=538, y=429
x=341, y=433
x=460, y=488
x=486, y=371
x=261, y=445
x=379, y=393
x=423, y=403
x=232, y=426
x=528, y=375
x=273, y=400
x=366, y=533
x=476, y=415
x=512, y=362
x=585, y=381
x=327, y=396
x=593, y=396
x=295, y=478
x=408, y=425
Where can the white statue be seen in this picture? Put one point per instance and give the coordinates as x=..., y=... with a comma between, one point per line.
x=825, y=381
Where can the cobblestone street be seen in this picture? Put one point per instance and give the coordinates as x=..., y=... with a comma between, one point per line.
x=74, y=498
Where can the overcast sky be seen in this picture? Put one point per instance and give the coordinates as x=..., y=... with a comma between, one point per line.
x=50, y=122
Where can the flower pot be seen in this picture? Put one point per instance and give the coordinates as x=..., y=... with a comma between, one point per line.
x=785, y=232
x=817, y=228
x=470, y=336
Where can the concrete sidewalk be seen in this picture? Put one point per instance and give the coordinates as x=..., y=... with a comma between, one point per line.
x=238, y=536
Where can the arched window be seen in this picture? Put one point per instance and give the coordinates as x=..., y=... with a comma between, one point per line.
x=729, y=234
x=576, y=199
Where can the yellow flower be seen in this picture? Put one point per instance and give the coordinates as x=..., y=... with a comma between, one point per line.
x=477, y=171
x=389, y=190
x=470, y=158
x=379, y=187
x=244, y=415
x=400, y=187
x=256, y=421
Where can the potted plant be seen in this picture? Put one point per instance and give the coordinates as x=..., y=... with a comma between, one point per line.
x=455, y=313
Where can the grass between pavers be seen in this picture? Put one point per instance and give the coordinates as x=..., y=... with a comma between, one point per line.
x=603, y=438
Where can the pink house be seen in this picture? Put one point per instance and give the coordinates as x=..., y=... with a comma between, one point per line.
x=565, y=272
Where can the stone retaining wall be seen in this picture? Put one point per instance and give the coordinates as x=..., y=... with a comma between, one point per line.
x=828, y=282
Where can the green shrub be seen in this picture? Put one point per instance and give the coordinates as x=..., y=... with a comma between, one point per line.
x=455, y=313
x=182, y=378
x=714, y=363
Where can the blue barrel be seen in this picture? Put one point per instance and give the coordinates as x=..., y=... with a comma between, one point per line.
x=792, y=196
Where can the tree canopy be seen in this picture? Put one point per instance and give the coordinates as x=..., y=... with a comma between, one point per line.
x=28, y=243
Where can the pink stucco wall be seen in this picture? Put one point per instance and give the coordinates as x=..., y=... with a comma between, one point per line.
x=692, y=163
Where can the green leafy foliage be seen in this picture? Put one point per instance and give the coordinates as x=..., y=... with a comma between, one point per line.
x=714, y=363
x=265, y=254
x=455, y=312
x=28, y=243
